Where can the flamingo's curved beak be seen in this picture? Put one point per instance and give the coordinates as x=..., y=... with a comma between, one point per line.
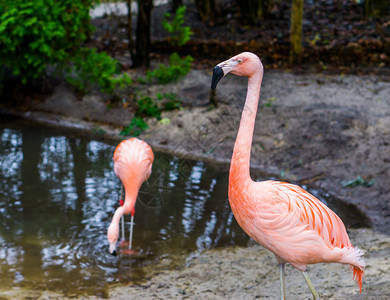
x=113, y=248
x=217, y=75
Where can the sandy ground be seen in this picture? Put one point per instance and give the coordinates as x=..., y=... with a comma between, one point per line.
x=311, y=129
x=252, y=273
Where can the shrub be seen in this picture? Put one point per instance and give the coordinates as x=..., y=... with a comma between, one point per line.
x=176, y=68
x=169, y=101
x=179, y=34
x=137, y=125
x=147, y=107
x=35, y=34
x=91, y=67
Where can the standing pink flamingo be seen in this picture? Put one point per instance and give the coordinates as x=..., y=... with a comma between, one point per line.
x=282, y=217
x=133, y=161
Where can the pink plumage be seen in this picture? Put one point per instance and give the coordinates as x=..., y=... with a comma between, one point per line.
x=133, y=161
x=284, y=218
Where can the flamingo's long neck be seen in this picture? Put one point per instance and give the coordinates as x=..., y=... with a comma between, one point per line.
x=240, y=164
x=119, y=212
x=131, y=192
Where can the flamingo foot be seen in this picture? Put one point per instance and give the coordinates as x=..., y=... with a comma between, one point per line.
x=128, y=252
x=123, y=244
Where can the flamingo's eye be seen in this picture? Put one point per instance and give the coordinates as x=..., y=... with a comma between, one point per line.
x=239, y=60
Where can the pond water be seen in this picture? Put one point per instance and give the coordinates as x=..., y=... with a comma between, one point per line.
x=58, y=193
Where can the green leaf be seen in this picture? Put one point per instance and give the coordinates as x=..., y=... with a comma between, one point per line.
x=165, y=121
x=135, y=128
x=358, y=181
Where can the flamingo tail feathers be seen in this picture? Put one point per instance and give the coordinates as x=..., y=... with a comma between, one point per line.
x=358, y=275
x=353, y=256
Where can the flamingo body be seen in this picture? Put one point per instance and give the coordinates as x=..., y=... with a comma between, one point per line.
x=133, y=161
x=284, y=218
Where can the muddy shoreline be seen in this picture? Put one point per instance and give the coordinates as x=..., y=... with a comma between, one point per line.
x=312, y=129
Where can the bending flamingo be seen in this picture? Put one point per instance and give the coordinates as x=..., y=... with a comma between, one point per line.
x=133, y=161
x=284, y=218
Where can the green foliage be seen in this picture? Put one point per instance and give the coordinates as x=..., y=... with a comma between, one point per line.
x=39, y=33
x=177, y=68
x=169, y=101
x=35, y=34
x=268, y=102
x=179, y=34
x=165, y=121
x=137, y=125
x=98, y=130
x=147, y=107
x=358, y=181
x=96, y=68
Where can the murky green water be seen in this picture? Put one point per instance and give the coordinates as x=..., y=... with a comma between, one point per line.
x=58, y=192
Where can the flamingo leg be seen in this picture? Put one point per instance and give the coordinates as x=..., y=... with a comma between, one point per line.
x=131, y=229
x=311, y=287
x=123, y=228
x=123, y=218
x=282, y=289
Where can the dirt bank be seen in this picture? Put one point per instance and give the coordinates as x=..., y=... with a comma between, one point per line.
x=311, y=129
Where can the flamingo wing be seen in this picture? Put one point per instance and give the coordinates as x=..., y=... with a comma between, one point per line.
x=311, y=212
x=299, y=228
x=290, y=222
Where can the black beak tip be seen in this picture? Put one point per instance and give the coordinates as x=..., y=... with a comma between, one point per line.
x=113, y=253
x=217, y=75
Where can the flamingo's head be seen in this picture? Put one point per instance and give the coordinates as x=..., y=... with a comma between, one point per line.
x=244, y=64
x=112, y=237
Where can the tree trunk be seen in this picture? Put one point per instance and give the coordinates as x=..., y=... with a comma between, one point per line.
x=376, y=8
x=142, y=44
x=251, y=10
x=205, y=9
x=296, y=31
x=261, y=9
x=130, y=29
x=175, y=5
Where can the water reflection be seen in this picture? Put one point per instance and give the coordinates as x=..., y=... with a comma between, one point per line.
x=58, y=193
